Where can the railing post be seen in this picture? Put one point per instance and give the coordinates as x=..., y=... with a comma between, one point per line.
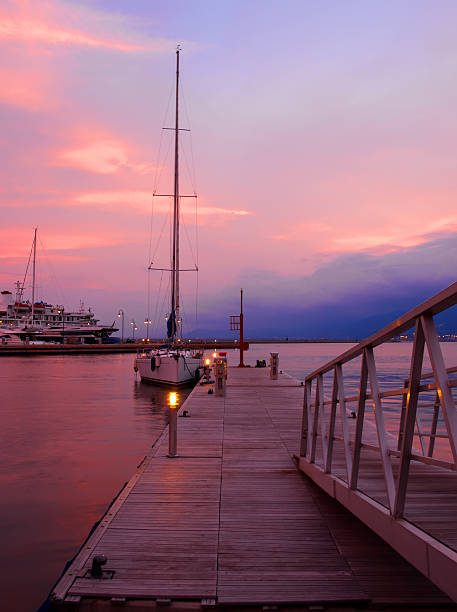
x=331, y=424
x=359, y=424
x=436, y=412
x=312, y=457
x=401, y=426
x=324, y=438
x=410, y=419
x=380, y=428
x=305, y=422
x=441, y=381
x=344, y=425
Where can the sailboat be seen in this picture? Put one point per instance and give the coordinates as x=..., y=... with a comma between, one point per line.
x=172, y=364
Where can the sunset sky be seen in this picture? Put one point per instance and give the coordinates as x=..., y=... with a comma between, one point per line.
x=324, y=140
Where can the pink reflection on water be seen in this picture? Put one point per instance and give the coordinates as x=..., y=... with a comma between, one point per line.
x=73, y=429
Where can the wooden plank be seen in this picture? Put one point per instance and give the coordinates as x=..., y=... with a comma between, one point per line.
x=231, y=519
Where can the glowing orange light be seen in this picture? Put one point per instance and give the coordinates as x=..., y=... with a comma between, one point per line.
x=207, y=362
x=172, y=399
x=214, y=355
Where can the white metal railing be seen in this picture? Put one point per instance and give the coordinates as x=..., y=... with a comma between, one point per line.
x=327, y=406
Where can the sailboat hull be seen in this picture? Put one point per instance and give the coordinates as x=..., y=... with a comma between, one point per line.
x=172, y=369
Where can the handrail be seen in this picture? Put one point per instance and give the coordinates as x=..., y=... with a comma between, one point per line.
x=321, y=425
x=433, y=306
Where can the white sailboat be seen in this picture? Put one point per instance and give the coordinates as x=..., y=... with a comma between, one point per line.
x=173, y=364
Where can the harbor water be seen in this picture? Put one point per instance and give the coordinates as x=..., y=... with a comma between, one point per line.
x=72, y=431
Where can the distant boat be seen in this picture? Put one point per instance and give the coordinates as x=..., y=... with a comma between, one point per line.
x=41, y=321
x=172, y=364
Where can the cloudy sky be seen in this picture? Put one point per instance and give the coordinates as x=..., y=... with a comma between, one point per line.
x=323, y=151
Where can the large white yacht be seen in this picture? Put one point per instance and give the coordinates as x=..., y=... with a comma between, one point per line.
x=39, y=320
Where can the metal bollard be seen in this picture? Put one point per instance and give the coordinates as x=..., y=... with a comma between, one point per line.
x=172, y=425
x=219, y=375
x=97, y=566
x=274, y=365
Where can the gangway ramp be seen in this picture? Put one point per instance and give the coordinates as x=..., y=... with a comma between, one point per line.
x=393, y=465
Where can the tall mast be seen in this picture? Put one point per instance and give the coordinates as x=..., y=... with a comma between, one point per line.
x=33, y=277
x=175, y=262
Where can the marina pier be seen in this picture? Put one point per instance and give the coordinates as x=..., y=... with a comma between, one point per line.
x=46, y=348
x=233, y=521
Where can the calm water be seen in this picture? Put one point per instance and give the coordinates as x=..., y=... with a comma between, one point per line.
x=72, y=431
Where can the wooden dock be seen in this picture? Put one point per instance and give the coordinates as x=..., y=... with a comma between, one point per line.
x=231, y=522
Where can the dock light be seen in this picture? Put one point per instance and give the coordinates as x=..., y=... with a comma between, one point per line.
x=214, y=355
x=147, y=322
x=207, y=369
x=173, y=424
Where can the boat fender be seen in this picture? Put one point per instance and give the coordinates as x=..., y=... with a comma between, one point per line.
x=157, y=362
x=153, y=364
x=135, y=366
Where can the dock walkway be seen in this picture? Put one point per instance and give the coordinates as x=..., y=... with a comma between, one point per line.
x=232, y=521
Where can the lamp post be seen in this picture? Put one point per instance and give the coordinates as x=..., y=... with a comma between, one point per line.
x=147, y=322
x=172, y=424
x=62, y=312
x=121, y=314
x=207, y=369
x=134, y=327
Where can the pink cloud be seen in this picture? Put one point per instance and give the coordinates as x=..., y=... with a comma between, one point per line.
x=16, y=242
x=141, y=200
x=396, y=240
x=32, y=31
x=102, y=156
x=24, y=88
x=297, y=232
x=58, y=24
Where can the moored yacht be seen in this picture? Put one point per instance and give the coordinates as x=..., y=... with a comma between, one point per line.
x=169, y=366
x=41, y=321
x=172, y=364
x=48, y=322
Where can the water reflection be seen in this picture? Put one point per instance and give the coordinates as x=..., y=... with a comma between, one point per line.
x=72, y=431
x=152, y=401
x=74, y=428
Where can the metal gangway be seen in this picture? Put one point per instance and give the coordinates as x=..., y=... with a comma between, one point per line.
x=386, y=447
